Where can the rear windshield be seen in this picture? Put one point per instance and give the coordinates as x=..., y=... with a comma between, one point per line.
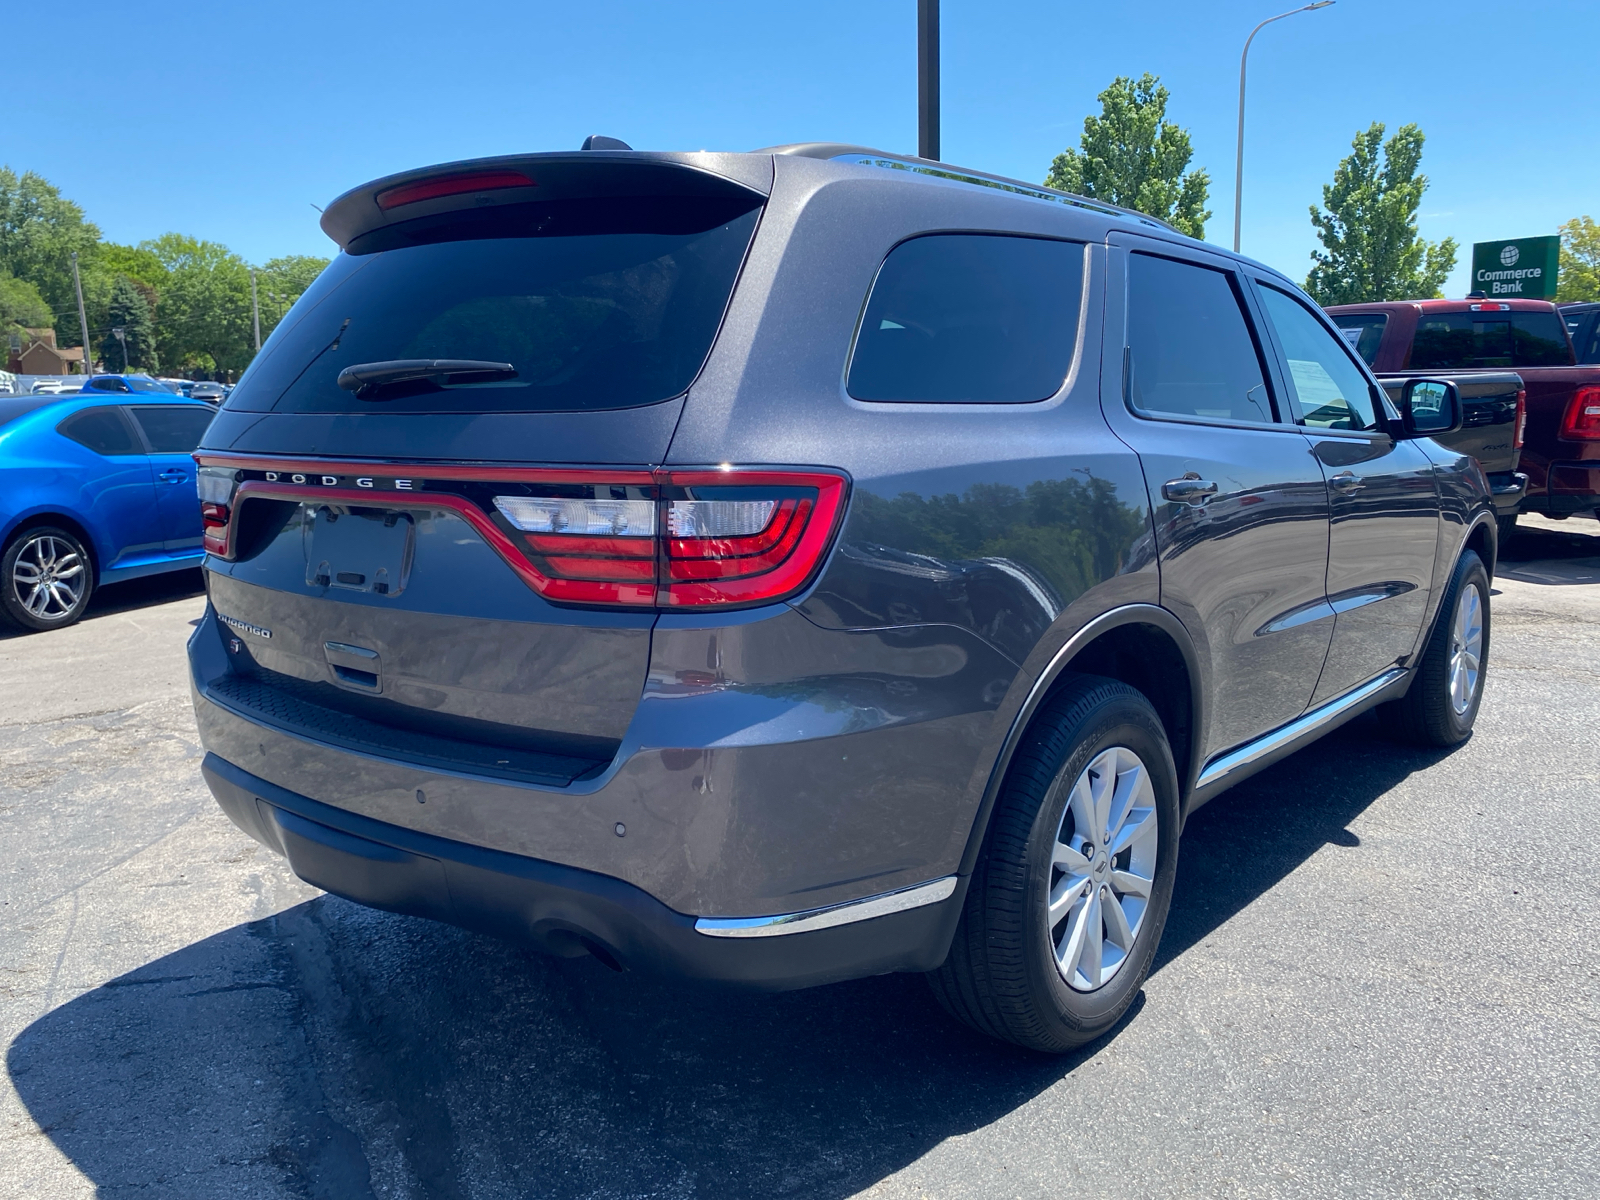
x=1363, y=331
x=594, y=304
x=1461, y=341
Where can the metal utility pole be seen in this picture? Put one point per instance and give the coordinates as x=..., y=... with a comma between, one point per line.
x=83, y=320
x=1238, y=162
x=255, y=309
x=928, y=79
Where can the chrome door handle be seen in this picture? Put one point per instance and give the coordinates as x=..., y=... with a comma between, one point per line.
x=1191, y=489
x=1346, y=481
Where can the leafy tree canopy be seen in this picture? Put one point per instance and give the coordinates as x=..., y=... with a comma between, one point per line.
x=282, y=281
x=39, y=230
x=1579, y=275
x=1368, y=226
x=129, y=311
x=1131, y=155
x=205, y=304
x=21, y=305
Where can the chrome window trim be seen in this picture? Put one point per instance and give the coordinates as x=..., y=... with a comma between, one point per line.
x=834, y=914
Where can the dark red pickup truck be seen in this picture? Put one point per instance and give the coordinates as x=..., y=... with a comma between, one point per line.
x=1561, y=441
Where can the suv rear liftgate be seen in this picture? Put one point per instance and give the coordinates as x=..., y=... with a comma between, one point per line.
x=476, y=620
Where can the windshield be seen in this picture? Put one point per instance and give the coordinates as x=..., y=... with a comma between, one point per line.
x=600, y=303
x=1463, y=340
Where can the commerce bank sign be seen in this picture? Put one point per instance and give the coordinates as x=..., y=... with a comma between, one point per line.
x=1524, y=269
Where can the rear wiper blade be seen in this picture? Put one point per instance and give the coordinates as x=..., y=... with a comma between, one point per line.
x=366, y=380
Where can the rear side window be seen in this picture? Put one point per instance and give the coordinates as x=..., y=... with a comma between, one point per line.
x=103, y=430
x=1461, y=341
x=1190, y=352
x=610, y=302
x=173, y=430
x=960, y=318
x=1364, y=332
x=108, y=383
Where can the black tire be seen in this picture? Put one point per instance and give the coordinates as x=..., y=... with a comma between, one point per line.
x=1427, y=715
x=1508, y=530
x=1001, y=976
x=16, y=595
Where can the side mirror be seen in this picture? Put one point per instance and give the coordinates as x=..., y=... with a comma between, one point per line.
x=1429, y=407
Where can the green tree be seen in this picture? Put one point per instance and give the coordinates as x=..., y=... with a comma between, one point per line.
x=21, y=305
x=1131, y=155
x=130, y=312
x=1368, y=226
x=282, y=281
x=39, y=230
x=1579, y=275
x=204, y=310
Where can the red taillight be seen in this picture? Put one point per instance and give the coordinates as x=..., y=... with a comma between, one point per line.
x=214, y=520
x=712, y=539
x=1521, y=424
x=451, y=185
x=1582, y=421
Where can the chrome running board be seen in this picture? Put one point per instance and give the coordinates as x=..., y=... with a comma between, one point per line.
x=835, y=914
x=1235, y=764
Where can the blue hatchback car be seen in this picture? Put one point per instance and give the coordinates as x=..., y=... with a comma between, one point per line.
x=95, y=488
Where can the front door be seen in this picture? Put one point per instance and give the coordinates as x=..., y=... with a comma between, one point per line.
x=1240, y=505
x=171, y=432
x=1385, y=508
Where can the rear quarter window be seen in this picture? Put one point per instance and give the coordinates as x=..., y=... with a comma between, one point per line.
x=103, y=430
x=1465, y=340
x=1363, y=332
x=969, y=319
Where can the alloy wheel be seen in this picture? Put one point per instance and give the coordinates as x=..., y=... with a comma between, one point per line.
x=1466, y=649
x=1103, y=867
x=48, y=577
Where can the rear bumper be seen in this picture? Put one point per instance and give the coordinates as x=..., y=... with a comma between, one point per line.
x=1573, y=487
x=560, y=909
x=1508, y=489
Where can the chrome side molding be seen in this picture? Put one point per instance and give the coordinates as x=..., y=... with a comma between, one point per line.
x=834, y=914
x=1223, y=765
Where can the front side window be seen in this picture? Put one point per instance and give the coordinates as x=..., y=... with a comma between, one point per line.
x=173, y=430
x=1331, y=390
x=960, y=318
x=1190, y=352
x=1364, y=332
x=102, y=430
x=108, y=383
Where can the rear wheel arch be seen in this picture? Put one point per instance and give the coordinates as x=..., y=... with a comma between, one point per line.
x=1142, y=645
x=59, y=520
x=1483, y=539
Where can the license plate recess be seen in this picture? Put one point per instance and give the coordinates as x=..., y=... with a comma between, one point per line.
x=359, y=549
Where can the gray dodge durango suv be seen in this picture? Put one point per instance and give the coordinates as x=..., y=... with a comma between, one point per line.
x=785, y=567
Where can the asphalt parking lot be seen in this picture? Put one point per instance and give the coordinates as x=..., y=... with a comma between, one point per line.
x=1381, y=978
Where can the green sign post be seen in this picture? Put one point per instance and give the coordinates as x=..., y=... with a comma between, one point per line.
x=1524, y=269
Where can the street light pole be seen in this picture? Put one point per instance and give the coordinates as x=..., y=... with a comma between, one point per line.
x=255, y=309
x=928, y=79
x=1238, y=162
x=83, y=320
x=121, y=334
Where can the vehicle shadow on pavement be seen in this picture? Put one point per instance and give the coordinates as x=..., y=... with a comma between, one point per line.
x=131, y=594
x=1564, y=554
x=337, y=1051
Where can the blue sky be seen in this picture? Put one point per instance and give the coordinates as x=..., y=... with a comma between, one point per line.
x=228, y=121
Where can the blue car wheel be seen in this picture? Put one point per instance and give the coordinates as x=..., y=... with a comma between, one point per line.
x=47, y=576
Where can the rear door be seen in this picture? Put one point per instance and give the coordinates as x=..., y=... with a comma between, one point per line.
x=1384, y=500
x=1240, y=506
x=171, y=433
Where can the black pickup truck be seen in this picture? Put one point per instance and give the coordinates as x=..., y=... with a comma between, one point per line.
x=1494, y=412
